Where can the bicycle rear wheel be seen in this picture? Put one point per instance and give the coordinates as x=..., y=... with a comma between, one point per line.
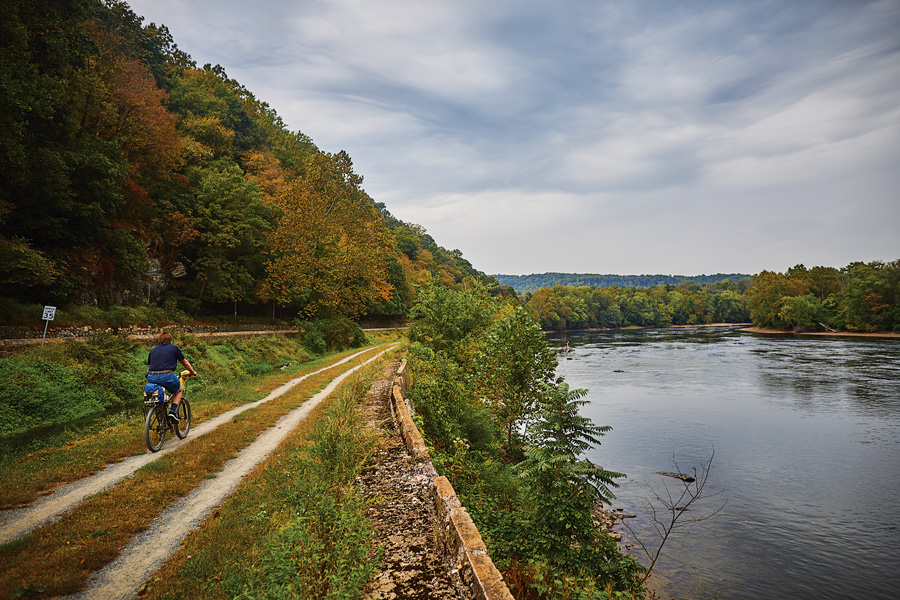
x=184, y=419
x=155, y=427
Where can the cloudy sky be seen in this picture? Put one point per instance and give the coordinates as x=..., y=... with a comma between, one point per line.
x=630, y=136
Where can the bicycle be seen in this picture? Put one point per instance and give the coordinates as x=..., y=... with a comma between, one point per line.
x=157, y=423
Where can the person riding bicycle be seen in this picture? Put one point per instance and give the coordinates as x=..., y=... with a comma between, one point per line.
x=161, y=362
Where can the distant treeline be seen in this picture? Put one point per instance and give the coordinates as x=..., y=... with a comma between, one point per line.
x=530, y=283
x=861, y=297
x=567, y=307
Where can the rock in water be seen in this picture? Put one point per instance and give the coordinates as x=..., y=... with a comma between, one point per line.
x=681, y=476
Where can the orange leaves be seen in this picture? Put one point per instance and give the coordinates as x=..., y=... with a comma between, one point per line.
x=266, y=169
x=125, y=104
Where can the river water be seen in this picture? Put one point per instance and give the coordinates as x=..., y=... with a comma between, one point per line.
x=806, y=437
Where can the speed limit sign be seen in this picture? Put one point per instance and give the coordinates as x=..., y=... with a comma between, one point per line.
x=49, y=313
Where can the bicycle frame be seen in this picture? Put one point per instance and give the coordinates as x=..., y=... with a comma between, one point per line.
x=157, y=424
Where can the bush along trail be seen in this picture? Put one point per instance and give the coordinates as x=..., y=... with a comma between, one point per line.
x=137, y=511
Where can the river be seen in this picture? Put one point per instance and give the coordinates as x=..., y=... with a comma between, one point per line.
x=806, y=437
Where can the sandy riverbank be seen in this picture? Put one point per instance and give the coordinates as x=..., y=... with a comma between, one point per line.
x=881, y=334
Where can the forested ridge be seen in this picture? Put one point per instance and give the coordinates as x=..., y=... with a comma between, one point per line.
x=531, y=283
x=133, y=176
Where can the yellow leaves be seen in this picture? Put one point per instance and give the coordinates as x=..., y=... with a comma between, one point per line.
x=330, y=248
x=265, y=168
x=211, y=138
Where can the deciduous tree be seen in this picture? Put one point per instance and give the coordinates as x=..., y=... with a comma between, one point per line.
x=330, y=247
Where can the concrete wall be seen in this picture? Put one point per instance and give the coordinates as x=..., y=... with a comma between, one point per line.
x=459, y=540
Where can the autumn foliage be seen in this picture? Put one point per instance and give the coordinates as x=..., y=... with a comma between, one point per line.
x=132, y=175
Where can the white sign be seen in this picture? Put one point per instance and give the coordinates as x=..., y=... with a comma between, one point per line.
x=49, y=313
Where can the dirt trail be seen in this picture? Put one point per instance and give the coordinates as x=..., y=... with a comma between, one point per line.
x=405, y=522
x=16, y=523
x=123, y=577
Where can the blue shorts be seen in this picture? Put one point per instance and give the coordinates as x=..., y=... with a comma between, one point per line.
x=169, y=381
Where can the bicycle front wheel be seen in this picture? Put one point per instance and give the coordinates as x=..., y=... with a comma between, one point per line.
x=155, y=427
x=184, y=419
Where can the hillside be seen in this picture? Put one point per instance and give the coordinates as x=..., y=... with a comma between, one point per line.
x=530, y=283
x=134, y=176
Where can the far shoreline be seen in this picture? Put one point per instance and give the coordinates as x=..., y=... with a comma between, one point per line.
x=637, y=327
x=881, y=334
x=743, y=328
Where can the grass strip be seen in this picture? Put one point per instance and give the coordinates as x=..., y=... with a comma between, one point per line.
x=25, y=478
x=59, y=557
x=295, y=527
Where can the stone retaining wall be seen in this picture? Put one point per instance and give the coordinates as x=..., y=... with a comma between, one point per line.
x=459, y=539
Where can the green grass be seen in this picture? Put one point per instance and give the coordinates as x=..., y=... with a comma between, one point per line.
x=64, y=382
x=295, y=527
x=60, y=556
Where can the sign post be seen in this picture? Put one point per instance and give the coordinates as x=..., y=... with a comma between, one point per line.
x=49, y=313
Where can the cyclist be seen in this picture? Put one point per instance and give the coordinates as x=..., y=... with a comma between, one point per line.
x=161, y=362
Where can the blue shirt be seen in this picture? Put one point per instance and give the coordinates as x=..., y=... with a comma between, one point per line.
x=164, y=357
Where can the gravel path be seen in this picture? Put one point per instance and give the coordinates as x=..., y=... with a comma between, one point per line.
x=17, y=523
x=123, y=577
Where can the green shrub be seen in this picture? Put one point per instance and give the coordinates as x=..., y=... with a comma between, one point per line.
x=331, y=334
x=13, y=312
x=438, y=394
x=91, y=316
x=60, y=383
x=326, y=550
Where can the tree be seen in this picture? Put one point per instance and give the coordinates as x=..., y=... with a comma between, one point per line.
x=871, y=296
x=802, y=312
x=447, y=320
x=232, y=221
x=564, y=487
x=330, y=247
x=765, y=298
x=513, y=368
x=728, y=307
x=544, y=306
